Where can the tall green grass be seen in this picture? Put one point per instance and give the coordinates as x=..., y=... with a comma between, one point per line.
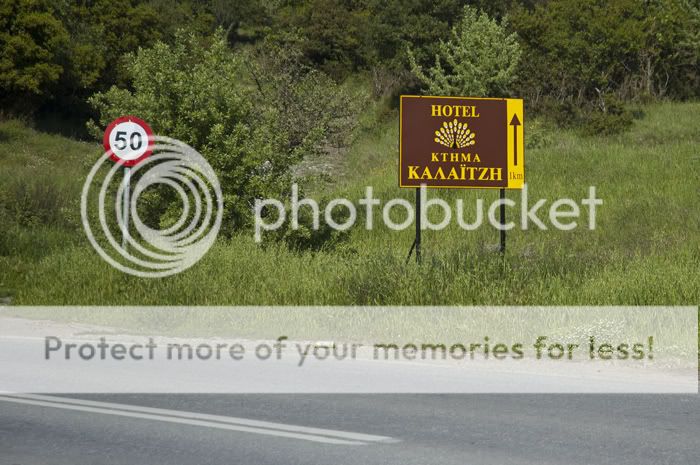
x=40, y=182
x=645, y=249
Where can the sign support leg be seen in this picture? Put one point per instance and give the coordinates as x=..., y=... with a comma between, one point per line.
x=125, y=207
x=418, y=225
x=502, y=247
x=416, y=242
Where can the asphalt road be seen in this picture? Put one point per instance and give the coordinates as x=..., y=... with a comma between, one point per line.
x=360, y=429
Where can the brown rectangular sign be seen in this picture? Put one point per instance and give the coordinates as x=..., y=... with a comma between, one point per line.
x=461, y=142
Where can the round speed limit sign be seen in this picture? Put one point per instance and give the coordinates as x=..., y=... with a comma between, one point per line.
x=129, y=140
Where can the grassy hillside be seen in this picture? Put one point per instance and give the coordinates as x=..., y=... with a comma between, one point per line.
x=645, y=250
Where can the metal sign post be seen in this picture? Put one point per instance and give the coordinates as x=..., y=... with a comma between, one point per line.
x=419, y=212
x=125, y=207
x=416, y=242
x=502, y=247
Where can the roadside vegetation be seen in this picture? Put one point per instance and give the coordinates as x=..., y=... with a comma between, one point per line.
x=644, y=251
x=278, y=92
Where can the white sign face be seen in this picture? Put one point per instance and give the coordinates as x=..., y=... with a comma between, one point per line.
x=128, y=140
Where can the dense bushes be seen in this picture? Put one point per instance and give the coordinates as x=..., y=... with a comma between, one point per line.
x=251, y=115
x=56, y=54
x=578, y=52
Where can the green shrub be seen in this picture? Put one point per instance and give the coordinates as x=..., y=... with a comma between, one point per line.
x=251, y=121
x=307, y=237
x=564, y=114
x=38, y=201
x=610, y=118
x=480, y=59
x=537, y=135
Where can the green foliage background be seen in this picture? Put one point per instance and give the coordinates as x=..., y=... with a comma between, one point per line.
x=56, y=54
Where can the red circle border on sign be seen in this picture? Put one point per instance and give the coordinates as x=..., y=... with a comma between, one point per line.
x=125, y=119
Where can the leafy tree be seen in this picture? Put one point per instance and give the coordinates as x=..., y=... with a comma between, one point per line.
x=330, y=33
x=581, y=51
x=101, y=33
x=241, y=20
x=397, y=25
x=312, y=111
x=670, y=57
x=251, y=128
x=479, y=58
x=31, y=41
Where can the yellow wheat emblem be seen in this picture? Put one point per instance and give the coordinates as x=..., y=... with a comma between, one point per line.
x=455, y=135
